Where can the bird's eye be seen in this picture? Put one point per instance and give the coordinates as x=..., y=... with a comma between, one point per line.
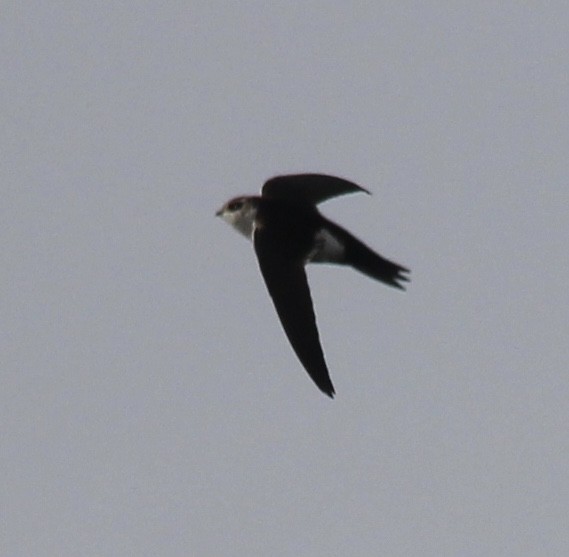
x=235, y=205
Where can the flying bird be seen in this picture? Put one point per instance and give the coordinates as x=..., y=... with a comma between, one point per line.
x=288, y=232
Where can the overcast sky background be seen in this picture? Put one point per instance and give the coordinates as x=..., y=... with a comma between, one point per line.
x=150, y=403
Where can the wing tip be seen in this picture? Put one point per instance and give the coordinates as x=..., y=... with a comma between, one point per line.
x=328, y=389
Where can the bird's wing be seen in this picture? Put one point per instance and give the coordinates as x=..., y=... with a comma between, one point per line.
x=288, y=287
x=308, y=188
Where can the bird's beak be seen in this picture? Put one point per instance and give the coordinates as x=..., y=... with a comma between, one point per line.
x=219, y=212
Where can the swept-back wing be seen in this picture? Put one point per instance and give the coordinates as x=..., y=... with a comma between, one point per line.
x=308, y=188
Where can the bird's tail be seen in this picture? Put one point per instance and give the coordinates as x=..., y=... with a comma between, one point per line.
x=365, y=260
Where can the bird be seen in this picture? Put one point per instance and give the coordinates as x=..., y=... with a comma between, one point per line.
x=288, y=232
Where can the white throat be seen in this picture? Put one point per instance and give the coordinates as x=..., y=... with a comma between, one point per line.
x=242, y=220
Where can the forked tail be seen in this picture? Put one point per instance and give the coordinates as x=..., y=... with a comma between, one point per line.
x=362, y=258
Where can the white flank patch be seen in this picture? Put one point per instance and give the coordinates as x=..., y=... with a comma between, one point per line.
x=327, y=249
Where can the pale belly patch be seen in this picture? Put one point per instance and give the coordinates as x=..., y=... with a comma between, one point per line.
x=327, y=248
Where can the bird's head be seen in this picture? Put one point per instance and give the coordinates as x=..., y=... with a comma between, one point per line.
x=240, y=212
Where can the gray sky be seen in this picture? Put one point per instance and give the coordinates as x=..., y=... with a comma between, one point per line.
x=150, y=403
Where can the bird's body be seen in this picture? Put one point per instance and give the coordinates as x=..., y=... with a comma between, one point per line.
x=288, y=232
